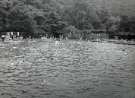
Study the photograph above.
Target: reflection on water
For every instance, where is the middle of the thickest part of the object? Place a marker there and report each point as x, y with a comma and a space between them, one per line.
66, 69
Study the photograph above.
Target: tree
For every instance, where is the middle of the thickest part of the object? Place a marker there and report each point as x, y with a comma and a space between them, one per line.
54, 24
16, 17
12, 17
82, 15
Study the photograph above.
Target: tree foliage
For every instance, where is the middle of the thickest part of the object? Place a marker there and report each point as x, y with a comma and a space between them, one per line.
49, 17
81, 15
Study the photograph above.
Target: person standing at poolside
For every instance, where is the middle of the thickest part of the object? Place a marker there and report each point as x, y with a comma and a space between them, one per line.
12, 35
3, 37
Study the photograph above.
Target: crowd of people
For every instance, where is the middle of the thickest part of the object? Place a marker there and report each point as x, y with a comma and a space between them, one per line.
10, 35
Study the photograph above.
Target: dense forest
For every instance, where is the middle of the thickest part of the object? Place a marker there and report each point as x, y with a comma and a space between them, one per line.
55, 18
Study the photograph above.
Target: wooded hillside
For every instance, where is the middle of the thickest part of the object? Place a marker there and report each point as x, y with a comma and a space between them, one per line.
55, 17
